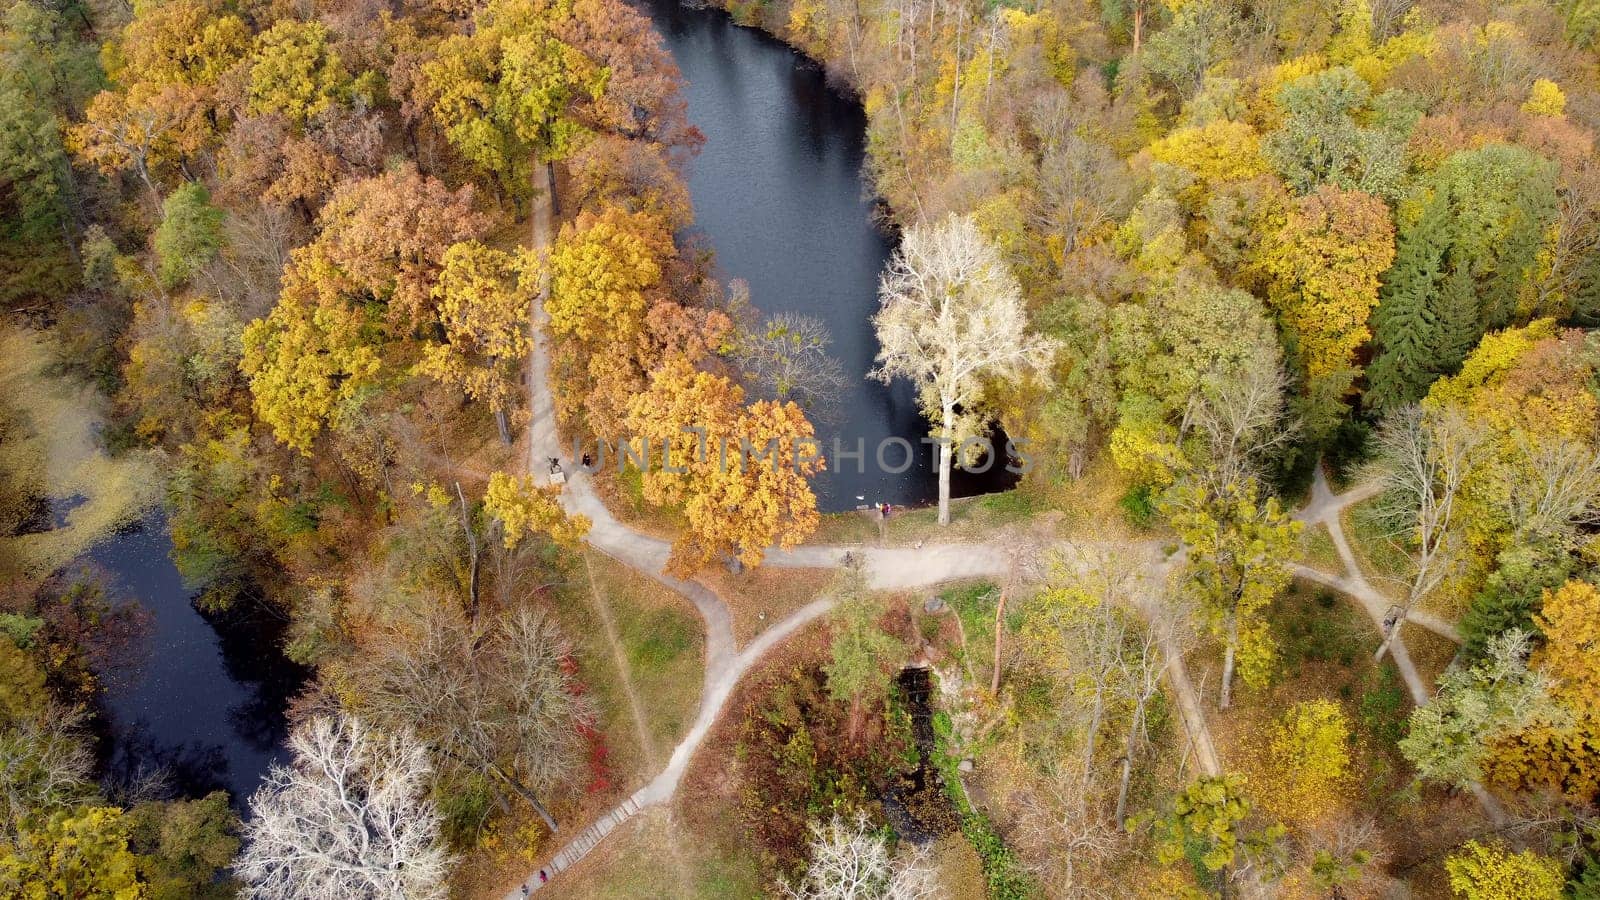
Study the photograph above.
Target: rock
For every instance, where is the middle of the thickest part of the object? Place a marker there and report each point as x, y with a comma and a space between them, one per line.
964, 767
933, 605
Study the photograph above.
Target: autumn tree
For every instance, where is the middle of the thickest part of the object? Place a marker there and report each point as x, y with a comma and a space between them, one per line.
483, 309
786, 358
864, 655
306, 362
738, 472
523, 509
1491, 872
37, 66
1562, 755
952, 317
1309, 757
384, 239
1324, 266
1238, 546
603, 269
294, 73
505, 91
348, 816
605, 275
1211, 815
1103, 666
166, 67
1423, 460
81, 852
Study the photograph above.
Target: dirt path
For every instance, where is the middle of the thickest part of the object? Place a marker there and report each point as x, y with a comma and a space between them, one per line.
619, 658
887, 568
1327, 509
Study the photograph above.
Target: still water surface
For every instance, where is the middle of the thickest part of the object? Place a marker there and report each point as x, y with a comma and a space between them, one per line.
778, 193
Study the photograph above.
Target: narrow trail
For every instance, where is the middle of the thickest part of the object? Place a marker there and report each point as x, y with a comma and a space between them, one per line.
619, 657
1327, 509
887, 568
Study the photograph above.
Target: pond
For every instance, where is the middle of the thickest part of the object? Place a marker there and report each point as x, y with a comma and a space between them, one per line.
779, 195
205, 699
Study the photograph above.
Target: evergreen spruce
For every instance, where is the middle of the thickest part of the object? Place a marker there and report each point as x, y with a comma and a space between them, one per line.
1405, 324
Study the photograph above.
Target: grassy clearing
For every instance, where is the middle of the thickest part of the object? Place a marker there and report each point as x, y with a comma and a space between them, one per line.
55, 443
761, 596
1317, 550
663, 642
1383, 561
1086, 509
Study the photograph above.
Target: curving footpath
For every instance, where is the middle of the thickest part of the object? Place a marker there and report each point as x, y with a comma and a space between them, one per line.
886, 568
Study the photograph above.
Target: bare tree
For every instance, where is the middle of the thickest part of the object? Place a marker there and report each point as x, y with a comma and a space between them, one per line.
1563, 488
496, 701
951, 316
850, 861
1083, 190
786, 358
1241, 418
349, 817
1423, 459
45, 763
1085, 630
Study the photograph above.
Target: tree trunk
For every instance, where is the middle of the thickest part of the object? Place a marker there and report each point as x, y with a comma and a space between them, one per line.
533, 801
550, 185
1227, 674
1122, 790
946, 454
999, 632
474, 556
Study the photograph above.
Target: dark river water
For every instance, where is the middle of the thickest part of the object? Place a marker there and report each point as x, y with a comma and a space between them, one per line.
779, 195
206, 702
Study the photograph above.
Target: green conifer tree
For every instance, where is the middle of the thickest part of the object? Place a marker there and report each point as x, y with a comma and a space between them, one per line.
1405, 324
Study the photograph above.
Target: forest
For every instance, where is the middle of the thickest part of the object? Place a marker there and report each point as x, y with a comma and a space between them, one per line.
1289, 303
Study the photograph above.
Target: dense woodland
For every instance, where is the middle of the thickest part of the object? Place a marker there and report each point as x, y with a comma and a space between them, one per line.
1190, 250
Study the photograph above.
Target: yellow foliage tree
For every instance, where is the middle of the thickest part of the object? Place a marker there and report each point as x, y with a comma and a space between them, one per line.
524, 509
80, 852
1491, 872
481, 298
739, 473
603, 269
305, 360
1565, 756
1324, 265
1218, 151
1545, 99
1309, 756
295, 72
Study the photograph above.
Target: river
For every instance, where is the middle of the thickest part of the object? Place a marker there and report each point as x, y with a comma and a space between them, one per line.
778, 194
206, 702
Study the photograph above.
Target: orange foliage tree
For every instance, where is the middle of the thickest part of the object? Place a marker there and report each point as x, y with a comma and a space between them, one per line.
738, 472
